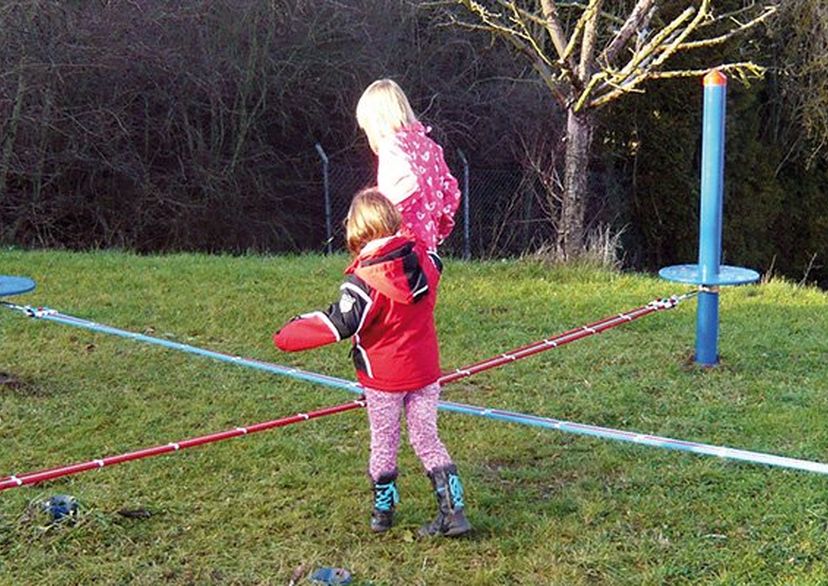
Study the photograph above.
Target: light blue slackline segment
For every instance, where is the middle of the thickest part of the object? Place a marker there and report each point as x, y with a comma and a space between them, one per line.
488, 413
10, 285
288, 371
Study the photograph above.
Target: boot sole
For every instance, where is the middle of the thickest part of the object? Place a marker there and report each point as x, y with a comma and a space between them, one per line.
458, 531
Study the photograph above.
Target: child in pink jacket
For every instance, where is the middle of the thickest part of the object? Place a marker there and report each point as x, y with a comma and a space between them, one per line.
411, 171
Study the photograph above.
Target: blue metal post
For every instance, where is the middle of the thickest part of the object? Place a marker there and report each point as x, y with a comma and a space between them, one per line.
709, 272
710, 217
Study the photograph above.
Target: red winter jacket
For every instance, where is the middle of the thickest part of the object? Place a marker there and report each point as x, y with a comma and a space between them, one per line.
387, 306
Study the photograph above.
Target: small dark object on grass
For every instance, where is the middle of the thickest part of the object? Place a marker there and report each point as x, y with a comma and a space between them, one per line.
9, 380
61, 507
135, 513
331, 576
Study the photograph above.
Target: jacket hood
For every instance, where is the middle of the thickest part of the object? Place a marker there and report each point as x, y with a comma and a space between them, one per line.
392, 266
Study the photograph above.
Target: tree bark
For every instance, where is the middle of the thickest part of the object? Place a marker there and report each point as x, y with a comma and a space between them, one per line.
579, 132
11, 132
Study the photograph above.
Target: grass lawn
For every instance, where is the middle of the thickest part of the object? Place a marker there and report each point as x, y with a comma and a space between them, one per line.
548, 508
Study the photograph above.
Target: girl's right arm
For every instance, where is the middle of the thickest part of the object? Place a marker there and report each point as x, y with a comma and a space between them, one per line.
341, 320
396, 179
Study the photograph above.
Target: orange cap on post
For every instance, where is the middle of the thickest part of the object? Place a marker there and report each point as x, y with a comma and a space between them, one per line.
715, 77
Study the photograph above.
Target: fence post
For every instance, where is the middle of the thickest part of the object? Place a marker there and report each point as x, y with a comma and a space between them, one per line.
326, 189
466, 232
527, 217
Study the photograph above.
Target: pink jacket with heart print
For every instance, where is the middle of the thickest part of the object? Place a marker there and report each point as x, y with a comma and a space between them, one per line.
413, 174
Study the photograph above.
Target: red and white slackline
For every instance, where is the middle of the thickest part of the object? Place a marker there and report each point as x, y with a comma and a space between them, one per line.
16, 480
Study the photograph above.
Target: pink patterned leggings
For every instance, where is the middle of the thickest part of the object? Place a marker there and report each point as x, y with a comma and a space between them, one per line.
384, 411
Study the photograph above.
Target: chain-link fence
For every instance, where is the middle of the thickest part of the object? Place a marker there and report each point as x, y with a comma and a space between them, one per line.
502, 213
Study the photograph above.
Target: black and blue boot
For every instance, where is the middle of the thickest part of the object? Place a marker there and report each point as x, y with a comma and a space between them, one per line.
385, 499
451, 520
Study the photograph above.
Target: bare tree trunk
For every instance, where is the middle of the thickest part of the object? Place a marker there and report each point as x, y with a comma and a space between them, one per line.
579, 131
31, 212
11, 132
592, 52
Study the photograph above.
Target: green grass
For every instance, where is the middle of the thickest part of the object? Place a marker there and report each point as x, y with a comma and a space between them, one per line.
548, 508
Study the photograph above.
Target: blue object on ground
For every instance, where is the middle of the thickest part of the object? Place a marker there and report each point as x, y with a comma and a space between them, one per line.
61, 506
15, 285
331, 576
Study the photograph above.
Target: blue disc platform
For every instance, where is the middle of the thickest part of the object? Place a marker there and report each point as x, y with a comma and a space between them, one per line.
727, 275
15, 285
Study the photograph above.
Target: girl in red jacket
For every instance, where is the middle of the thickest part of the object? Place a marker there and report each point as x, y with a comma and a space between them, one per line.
411, 170
386, 307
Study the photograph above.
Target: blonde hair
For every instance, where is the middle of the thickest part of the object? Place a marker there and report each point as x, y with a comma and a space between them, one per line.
370, 216
382, 110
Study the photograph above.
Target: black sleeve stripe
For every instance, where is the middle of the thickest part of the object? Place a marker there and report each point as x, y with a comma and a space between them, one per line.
417, 281
348, 314
438, 262
420, 292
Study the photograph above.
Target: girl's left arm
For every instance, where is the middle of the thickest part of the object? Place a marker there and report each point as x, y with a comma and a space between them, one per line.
450, 202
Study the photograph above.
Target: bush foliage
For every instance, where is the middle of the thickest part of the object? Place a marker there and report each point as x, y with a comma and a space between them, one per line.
191, 125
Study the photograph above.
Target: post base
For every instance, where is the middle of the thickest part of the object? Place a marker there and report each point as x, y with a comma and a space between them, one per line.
15, 285
726, 275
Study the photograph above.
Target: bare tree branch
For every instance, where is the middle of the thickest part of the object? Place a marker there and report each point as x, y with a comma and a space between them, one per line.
766, 14
633, 73
640, 13
522, 41
552, 24
744, 70
589, 40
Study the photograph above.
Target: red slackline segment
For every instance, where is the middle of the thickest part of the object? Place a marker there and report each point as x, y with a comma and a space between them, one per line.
556, 341
52, 473
14, 481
